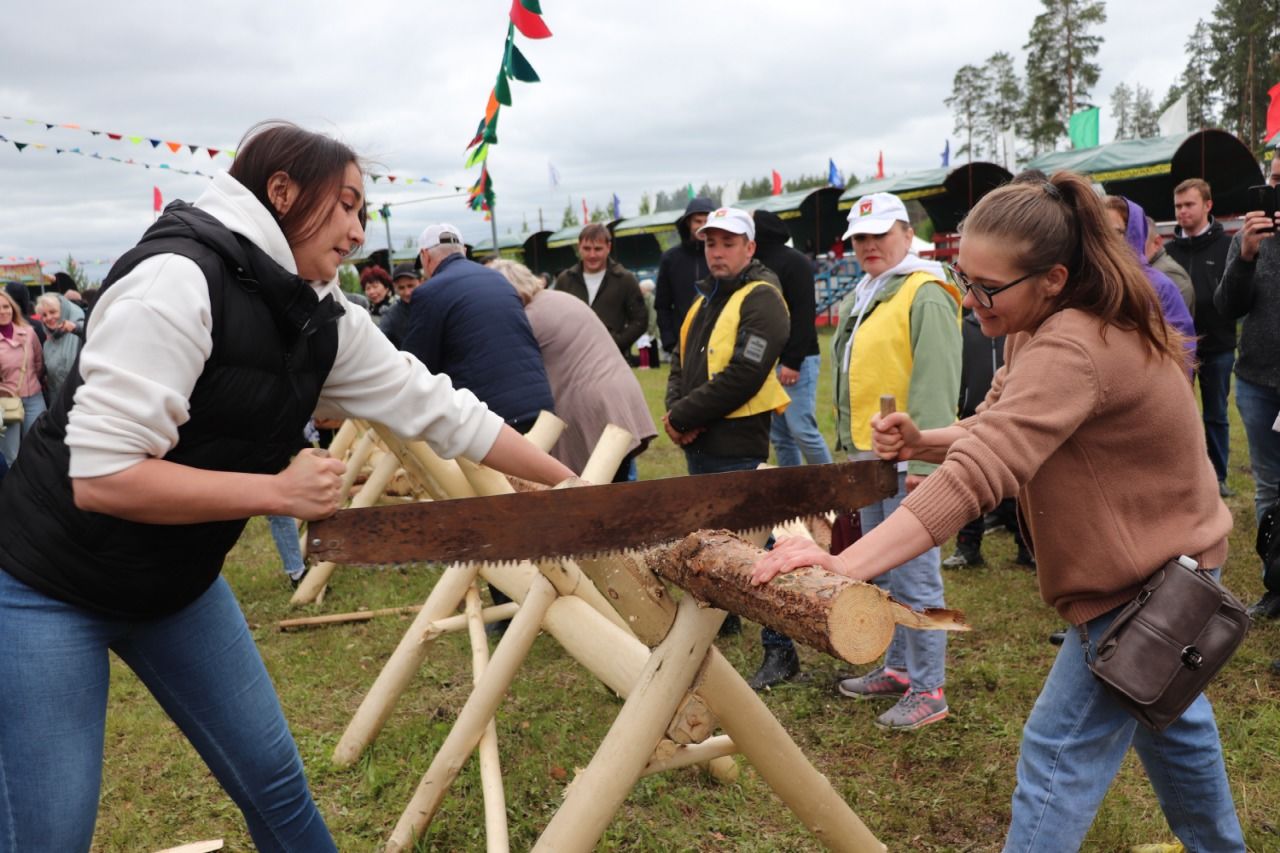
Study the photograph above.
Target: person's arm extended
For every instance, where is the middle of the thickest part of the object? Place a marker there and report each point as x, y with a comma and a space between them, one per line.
156, 491
899, 538
514, 454
1234, 295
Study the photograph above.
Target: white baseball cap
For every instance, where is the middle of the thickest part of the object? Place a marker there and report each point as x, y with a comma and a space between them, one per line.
875, 214
730, 219
434, 235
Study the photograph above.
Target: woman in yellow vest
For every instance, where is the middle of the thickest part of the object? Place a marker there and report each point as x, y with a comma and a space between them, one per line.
899, 334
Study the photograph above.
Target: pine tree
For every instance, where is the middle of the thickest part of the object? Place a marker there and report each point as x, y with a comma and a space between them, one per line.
570, 217
78, 275
1197, 79
1122, 110
1245, 40
1004, 103
646, 204
1145, 121
968, 102
1060, 67
804, 182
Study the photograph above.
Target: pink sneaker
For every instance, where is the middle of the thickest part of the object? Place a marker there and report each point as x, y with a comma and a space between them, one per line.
877, 684
914, 711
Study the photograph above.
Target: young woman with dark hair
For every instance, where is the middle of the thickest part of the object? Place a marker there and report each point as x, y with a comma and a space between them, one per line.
214, 341
1092, 424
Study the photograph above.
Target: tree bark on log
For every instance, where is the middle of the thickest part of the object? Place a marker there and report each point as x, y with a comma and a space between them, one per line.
847, 619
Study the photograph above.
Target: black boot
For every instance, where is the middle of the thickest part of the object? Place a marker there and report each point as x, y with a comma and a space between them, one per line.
731, 626
780, 664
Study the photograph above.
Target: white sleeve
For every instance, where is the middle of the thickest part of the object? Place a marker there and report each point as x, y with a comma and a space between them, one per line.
373, 380
148, 339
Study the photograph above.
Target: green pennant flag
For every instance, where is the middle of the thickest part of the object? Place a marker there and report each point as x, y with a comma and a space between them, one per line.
20, 145
1083, 128
135, 139
517, 66
689, 189
532, 5
502, 90
478, 155
491, 130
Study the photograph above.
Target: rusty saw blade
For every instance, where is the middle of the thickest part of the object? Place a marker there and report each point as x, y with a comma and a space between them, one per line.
579, 522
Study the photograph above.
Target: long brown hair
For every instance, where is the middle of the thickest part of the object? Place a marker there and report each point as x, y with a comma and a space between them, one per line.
1061, 221
314, 161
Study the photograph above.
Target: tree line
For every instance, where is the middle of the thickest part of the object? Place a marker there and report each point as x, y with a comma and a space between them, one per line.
1232, 60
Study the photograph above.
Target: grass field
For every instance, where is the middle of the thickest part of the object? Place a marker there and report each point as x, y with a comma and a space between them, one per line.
944, 788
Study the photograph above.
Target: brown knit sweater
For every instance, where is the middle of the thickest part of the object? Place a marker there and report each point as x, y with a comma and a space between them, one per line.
1103, 445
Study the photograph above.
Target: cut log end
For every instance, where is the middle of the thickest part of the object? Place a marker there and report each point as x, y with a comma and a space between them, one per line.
860, 625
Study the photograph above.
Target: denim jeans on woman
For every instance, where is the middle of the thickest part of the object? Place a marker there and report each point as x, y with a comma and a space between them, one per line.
1072, 746
1259, 407
203, 668
32, 408
795, 432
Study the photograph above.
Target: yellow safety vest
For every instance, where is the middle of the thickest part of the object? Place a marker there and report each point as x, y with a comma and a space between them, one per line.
771, 396
882, 360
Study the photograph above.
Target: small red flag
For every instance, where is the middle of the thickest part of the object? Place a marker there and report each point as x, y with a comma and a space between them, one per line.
880, 166
586, 217
156, 201
529, 24
1273, 113
777, 183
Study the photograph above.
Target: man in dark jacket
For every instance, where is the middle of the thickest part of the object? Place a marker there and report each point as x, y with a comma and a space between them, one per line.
608, 287
395, 320
467, 322
1250, 289
1200, 245
679, 270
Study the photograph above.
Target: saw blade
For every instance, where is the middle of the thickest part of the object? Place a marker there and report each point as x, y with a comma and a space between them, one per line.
594, 519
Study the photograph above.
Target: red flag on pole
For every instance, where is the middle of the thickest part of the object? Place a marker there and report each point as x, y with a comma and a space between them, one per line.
777, 183
586, 217
880, 165
1273, 113
157, 202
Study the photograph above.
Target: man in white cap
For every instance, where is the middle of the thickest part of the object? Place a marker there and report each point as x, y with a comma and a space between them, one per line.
722, 391
899, 334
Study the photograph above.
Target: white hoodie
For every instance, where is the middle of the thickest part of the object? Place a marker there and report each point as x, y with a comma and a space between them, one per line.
151, 333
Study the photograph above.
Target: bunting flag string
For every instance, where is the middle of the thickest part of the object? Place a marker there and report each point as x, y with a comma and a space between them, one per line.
404, 178
95, 155
526, 17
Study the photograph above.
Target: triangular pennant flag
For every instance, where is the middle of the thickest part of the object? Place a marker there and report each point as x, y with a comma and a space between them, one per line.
501, 90
135, 139
491, 130
162, 165
491, 108
375, 178
479, 137
230, 152
19, 145
193, 148
517, 66
48, 126
391, 178
76, 150
408, 180
174, 146
478, 155
114, 136
59, 150
96, 132
530, 24
155, 143
213, 152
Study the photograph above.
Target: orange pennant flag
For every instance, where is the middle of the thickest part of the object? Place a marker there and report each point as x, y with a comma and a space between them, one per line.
174, 146
491, 108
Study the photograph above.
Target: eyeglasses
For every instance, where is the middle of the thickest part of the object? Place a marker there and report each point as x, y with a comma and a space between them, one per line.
985, 296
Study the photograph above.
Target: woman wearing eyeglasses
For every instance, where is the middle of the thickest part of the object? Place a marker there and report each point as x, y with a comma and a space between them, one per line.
899, 334
215, 340
1092, 424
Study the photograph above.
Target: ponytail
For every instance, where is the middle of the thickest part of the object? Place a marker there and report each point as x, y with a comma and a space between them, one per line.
1061, 220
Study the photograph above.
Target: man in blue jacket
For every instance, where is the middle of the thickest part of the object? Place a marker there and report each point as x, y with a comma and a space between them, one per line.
467, 322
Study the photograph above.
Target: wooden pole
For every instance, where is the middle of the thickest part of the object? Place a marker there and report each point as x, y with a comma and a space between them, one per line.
497, 838
441, 626
360, 454
595, 795
611, 448
315, 580
671, 755
475, 715
402, 665
546, 431
343, 439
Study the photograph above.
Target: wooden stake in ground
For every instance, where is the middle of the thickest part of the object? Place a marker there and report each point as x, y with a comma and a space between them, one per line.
848, 619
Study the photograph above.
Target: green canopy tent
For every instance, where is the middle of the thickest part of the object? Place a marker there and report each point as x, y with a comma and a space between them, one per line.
510, 246
1147, 170
639, 241
811, 215
536, 253
945, 194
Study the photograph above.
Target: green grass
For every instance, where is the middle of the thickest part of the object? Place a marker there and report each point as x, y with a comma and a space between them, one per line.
945, 788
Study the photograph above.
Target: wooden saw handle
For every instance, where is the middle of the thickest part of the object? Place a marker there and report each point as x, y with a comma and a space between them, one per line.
888, 405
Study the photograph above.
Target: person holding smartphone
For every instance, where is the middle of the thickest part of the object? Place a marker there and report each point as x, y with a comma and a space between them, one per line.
1250, 288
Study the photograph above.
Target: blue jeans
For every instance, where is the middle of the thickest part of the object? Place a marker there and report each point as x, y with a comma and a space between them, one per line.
203, 668
795, 431
917, 583
1215, 386
32, 408
284, 530
1072, 746
705, 463
1258, 407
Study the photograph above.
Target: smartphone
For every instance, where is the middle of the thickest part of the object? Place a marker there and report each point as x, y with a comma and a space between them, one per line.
1264, 197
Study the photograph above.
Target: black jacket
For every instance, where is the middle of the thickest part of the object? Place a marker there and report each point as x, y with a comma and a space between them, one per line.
795, 274
1252, 290
679, 270
274, 343
619, 303
694, 401
1205, 259
982, 357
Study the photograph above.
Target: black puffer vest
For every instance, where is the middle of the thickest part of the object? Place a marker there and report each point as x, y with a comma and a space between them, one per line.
274, 343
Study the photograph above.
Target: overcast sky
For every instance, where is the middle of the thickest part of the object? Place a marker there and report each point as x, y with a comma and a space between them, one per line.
633, 97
